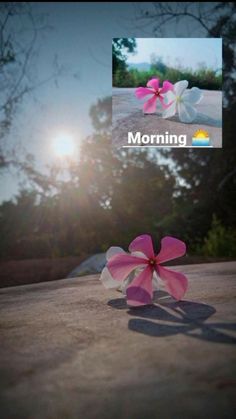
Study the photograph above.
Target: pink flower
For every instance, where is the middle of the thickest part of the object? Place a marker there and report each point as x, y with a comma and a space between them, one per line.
156, 91
143, 262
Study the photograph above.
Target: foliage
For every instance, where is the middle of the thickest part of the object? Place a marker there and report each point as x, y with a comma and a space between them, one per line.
209, 178
220, 241
20, 26
106, 196
213, 19
120, 46
111, 196
15, 59
204, 78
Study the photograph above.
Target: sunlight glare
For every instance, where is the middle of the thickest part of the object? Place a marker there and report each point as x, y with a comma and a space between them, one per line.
64, 145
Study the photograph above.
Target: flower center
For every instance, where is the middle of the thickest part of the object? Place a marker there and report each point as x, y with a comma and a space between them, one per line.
157, 92
152, 262
179, 99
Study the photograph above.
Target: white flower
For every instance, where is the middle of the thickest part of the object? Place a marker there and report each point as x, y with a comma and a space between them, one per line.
182, 101
106, 277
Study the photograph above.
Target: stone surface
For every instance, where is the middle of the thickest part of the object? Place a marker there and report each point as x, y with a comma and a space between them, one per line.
72, 349
127, 115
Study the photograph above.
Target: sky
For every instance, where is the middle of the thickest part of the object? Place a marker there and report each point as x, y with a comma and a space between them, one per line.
81, 37
188, 52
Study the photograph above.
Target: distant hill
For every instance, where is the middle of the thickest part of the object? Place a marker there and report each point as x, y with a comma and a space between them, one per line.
140, 66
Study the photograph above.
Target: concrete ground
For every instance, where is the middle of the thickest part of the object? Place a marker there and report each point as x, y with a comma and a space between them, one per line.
72, 349
127, 115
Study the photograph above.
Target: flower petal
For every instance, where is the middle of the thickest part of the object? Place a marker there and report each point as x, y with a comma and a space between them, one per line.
139, 254
170, 110
176, 283
107, 279
143, 244
154, 83
126, 282
169, 97
163, 104
121, 265
193, 96
187, 113
171, 248
141, 92
139, 292
180, 87
150, 105
113, 250
155, 284
166, 87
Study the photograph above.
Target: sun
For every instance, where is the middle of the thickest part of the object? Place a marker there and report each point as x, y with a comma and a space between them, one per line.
201, 134
64, 145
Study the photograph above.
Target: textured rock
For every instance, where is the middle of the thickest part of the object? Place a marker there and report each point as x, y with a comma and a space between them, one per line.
72, 349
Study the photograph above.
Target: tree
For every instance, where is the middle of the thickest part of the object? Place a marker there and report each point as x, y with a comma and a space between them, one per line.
214, 19
209, 176
109, 196
20, 26
120, 47
157, 64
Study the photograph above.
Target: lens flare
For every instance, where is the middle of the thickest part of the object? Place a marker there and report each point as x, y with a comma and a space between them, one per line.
64, 145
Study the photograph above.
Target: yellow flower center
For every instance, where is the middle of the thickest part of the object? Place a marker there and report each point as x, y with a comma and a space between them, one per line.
179, 99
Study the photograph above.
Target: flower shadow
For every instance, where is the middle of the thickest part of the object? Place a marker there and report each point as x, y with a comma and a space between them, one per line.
120, 303
171, 318
202, 119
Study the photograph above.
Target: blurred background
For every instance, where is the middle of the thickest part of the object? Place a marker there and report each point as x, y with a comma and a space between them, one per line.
65, 194
198, 60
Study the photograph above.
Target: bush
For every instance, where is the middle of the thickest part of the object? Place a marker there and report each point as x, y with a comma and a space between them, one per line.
204, 78
220, 241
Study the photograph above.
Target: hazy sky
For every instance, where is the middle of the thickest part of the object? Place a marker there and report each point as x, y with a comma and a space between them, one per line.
81, 37
188, 52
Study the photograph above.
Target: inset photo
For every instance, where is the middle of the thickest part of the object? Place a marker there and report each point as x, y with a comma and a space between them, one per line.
167, 92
